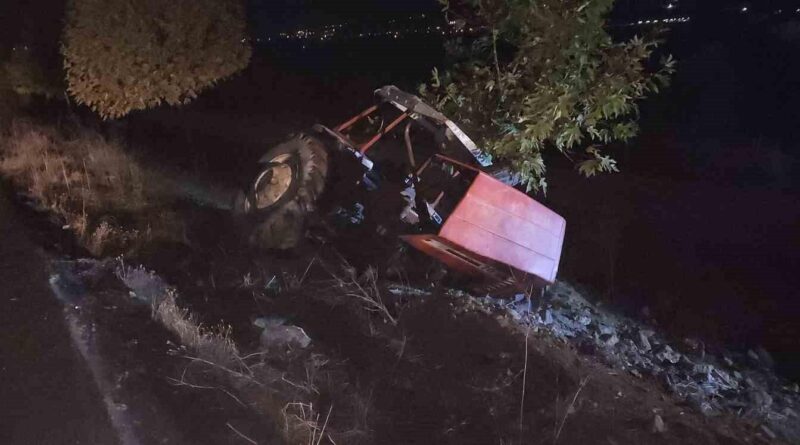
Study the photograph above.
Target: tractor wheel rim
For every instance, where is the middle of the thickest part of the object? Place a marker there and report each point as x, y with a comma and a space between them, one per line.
273, 182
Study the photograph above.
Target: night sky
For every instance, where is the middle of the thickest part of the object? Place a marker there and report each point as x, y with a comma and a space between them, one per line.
41, 19
283, 15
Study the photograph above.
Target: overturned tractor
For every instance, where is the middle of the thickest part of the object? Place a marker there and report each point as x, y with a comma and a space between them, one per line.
438, 193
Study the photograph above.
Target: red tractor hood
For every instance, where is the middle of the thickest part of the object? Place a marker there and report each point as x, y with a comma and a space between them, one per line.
503, 224
497, 224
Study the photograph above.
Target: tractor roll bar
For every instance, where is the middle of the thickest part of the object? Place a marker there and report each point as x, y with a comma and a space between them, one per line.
357, 118
363, 149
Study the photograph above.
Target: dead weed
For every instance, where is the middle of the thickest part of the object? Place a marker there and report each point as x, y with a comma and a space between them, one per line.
363, 289
88, 181
285, 388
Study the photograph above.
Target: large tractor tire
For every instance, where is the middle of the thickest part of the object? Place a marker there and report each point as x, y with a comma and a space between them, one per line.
275, 204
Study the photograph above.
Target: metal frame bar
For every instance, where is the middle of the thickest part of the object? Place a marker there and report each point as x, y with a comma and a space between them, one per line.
353, 120
459, 163
363, 149
409, 146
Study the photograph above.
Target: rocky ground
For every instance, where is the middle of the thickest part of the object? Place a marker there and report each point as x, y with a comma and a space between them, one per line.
713, 381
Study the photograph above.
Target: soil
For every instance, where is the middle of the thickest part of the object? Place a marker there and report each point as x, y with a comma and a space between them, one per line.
450, 371
95, 369
457, 379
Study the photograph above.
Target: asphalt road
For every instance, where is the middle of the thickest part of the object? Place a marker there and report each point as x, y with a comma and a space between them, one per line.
47, 392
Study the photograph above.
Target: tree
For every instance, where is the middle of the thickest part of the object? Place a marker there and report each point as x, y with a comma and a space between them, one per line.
125, 55
27, 74
548, 76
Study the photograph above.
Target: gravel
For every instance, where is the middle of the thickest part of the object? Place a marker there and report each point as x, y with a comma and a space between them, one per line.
738, 383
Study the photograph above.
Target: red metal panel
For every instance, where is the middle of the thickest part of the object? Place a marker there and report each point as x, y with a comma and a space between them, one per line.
501, 223
511, 200
451, 255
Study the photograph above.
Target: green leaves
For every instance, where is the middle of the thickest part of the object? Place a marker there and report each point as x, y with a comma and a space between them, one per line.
624, 131
569, 136
565, 85
435, 82
600, 164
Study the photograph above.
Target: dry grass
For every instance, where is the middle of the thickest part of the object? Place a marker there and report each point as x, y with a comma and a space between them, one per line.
240, 434
364, 290
246, 379
570, 409
301, 419
282, 388
213, 346
85, 179
84, 169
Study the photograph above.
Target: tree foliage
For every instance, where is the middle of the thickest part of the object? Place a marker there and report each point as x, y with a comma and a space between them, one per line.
548, 76
26, 74
124, 55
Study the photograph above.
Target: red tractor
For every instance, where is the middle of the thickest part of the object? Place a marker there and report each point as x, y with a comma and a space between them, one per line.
422, 179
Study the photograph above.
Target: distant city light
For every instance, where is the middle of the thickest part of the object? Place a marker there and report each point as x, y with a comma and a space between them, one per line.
394, 29
665, 21
419, 25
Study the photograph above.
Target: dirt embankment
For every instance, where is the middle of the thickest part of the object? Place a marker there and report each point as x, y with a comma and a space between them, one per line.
318, 359
392, 364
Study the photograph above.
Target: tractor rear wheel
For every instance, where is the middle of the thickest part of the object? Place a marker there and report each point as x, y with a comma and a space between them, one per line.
275, 204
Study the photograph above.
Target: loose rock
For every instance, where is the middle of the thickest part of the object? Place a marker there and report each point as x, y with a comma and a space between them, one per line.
761, 399
644, 341
765, 358
609, 340
668, 355
740, 384
658, 425
284, 336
